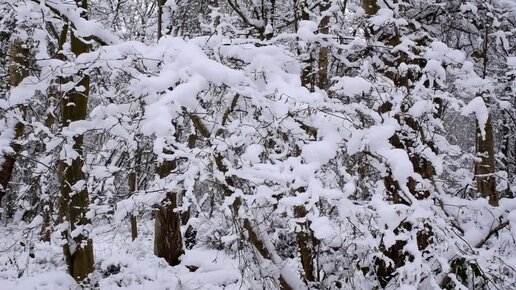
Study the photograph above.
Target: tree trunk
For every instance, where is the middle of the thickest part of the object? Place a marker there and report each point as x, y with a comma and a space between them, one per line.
132, 189
48, 205
324, 50
161, 3
505, 149
404, 139
305, 240
484, 145
370, 7
485, 169
306, 243
47, 219
216, 20
74, 200
18, 70
307, 72
168, 243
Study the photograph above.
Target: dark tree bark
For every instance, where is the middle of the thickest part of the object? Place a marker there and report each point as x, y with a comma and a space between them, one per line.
74, 199
18, 70
324, 50
506, 151
485, 169
161, 3
132, 189
168, 243
484, 146
306, 243
47, 204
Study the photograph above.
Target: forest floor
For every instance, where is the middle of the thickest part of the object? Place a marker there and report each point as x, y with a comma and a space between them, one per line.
28, 264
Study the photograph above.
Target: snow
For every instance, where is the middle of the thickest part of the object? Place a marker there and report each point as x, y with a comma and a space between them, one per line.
384, 16
399, 162
322, 228
351, 86
435, 69
511, 61
125, 265
307, 30
158, 121
319, 151
420, 108
43, 281
252, 153
283, 145
478, 107
83, 27
468, 7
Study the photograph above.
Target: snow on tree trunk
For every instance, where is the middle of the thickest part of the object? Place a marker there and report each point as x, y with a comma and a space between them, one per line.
407, 139
168, 243
18, 70
324, 49
485, 168
74, 199
131, 179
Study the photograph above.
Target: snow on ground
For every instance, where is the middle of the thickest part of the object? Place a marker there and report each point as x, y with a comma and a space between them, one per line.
120, 264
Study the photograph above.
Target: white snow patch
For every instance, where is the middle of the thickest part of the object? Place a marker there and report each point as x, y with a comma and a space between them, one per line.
478, 107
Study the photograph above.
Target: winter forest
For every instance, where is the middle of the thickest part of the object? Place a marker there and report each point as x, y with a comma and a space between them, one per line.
257, 144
